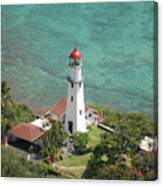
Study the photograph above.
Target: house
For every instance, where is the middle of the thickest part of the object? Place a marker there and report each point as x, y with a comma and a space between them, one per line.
148, 144
32, 131
26, 132
42, 123
59, 111
92, 116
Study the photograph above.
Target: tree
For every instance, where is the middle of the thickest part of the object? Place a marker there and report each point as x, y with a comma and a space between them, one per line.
108, 160
118, 155
15, 165
146, 163
7, 103
12, 113
52, 140
23, 113
6, 96
80, 142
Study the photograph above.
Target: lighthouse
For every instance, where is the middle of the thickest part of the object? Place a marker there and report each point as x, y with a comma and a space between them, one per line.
75, 109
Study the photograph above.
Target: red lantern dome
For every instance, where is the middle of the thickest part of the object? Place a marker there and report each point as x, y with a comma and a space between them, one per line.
75, 54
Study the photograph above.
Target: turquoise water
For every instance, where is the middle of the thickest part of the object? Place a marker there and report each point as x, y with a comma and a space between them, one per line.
115, 39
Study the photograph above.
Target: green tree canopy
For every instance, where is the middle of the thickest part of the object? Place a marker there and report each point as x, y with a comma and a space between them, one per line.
15, 165
12, 113
118, 155
52, 140
80, 142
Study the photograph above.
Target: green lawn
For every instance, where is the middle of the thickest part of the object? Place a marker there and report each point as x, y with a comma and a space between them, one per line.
18, 151
75, 165
79, 162
94, 136
76, 160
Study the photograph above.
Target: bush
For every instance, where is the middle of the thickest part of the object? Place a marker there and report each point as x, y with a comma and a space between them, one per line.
12, 113
89, 127
80, 142
118, 155
15, 165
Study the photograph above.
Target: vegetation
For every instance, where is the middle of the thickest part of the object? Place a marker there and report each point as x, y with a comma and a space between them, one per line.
52, 140
118, 156
76, 160
14, 165
12, 113
111, 155
94, 136
80, 142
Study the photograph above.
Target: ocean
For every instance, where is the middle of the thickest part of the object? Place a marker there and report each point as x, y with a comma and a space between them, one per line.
116, 42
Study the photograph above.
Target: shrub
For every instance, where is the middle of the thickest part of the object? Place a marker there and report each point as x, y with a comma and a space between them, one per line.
89, 127
80, 142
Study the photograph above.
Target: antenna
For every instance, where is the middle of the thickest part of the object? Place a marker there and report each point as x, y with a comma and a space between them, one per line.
76, 44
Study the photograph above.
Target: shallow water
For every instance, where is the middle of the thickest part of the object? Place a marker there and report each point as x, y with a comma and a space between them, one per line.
115, 39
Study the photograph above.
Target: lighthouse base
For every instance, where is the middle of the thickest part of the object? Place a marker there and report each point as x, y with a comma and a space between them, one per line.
70, 127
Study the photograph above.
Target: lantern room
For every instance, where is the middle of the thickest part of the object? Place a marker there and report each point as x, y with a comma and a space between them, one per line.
75, 57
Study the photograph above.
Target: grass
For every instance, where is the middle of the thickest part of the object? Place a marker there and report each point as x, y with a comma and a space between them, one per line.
81, 160
76, 164
94, 136
72, 174
18, 151
76, 160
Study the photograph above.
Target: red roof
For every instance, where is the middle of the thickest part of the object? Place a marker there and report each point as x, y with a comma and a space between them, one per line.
60, 107
75, 54
26, 132
86, 109
40, 111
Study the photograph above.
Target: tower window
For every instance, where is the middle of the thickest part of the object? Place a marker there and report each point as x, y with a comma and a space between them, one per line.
72, 85
80, 111
72, 98
80, 84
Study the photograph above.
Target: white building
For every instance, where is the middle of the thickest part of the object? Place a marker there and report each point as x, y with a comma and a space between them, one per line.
75, 109
148, 144
58, 111
71, 109
42, 123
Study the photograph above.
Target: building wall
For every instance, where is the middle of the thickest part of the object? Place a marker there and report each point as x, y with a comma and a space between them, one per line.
75, 111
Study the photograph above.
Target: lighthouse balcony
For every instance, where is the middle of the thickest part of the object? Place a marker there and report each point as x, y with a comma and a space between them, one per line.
74, 63
69, 79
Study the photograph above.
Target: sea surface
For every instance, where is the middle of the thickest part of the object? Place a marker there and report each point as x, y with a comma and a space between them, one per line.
115, 39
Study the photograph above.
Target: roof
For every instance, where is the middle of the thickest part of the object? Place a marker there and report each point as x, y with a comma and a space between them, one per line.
40, 111
60, 107
86, 109
75, 54
27, 132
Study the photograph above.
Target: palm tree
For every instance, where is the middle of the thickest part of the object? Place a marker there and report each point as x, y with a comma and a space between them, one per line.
6, 97
52, 140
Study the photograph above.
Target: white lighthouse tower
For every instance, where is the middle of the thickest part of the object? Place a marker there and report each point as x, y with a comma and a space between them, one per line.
75, 111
